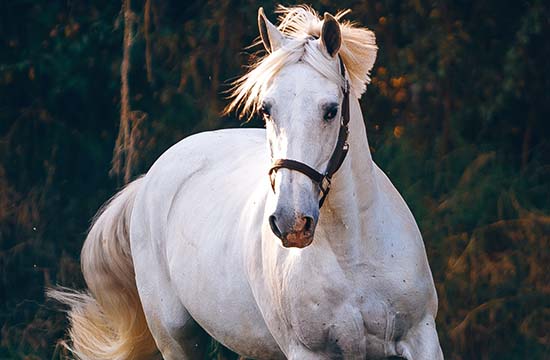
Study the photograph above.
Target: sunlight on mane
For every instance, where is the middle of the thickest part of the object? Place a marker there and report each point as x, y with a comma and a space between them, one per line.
299, 24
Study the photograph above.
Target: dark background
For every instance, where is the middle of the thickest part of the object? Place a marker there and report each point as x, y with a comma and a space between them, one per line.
457, 115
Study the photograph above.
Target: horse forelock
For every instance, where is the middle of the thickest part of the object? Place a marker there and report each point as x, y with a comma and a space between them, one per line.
301, 25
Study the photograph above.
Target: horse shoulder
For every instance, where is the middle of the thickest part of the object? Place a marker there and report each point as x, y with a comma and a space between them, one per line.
405, 260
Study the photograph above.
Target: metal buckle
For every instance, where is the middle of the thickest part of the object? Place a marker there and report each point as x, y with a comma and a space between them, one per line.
347, 86
325, 184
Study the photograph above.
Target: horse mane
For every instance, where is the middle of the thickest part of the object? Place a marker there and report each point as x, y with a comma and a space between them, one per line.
301, 25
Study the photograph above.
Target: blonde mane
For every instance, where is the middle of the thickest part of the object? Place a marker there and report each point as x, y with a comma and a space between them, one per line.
301, 25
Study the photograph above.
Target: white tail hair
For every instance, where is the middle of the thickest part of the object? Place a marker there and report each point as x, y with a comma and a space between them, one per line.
107, 321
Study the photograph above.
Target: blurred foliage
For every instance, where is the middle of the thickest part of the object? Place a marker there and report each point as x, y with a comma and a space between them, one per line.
457, 115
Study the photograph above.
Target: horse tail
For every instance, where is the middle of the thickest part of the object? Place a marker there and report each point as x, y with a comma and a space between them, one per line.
107, 320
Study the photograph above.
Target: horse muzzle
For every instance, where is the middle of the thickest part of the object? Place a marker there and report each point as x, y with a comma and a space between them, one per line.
294, 230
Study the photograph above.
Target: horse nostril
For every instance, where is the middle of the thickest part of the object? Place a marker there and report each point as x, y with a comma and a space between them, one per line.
309, 224
274, 227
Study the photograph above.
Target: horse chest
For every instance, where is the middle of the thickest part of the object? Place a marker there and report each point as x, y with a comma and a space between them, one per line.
327, 327
342, 319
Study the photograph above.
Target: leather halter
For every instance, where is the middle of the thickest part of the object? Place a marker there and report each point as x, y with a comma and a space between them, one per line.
323, 180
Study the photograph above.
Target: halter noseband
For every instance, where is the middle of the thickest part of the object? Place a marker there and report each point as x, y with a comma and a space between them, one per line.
336, 159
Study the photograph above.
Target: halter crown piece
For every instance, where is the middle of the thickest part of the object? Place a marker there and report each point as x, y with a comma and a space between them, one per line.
323, 180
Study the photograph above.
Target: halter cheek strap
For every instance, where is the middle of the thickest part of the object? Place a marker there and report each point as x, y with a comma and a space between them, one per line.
323, 180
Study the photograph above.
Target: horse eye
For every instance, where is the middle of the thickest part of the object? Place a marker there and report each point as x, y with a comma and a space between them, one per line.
265, 110
330, 113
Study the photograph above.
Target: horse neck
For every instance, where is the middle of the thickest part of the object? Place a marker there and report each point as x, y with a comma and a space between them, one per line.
353, 193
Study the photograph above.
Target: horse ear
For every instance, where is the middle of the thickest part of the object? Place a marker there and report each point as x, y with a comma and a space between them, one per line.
272, 38
331, 36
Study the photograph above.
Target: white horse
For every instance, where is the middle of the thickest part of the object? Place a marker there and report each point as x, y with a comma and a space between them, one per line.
204, 244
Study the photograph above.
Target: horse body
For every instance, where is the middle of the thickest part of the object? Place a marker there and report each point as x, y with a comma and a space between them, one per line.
356, 291
260, 263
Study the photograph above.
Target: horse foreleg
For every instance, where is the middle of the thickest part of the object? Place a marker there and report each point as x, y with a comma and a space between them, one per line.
421, 342
176, 333
300, 352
